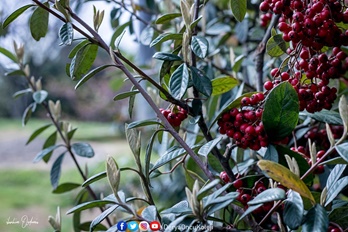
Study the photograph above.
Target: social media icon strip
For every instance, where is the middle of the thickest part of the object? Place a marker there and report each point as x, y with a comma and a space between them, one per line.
144, 226
122, 226
132, 226
155, 226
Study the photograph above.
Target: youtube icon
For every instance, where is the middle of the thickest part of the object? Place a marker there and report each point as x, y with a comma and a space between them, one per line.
155, 226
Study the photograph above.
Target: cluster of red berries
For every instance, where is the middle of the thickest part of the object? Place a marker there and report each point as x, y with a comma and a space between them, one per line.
174, 115
244, 125
265, 19
302, 151
319, 136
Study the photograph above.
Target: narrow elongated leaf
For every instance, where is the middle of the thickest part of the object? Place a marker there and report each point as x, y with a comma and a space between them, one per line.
74, 51
15, 73
102, 216
125, 95
65, 187
165, 37
271, 154
238, 8
166, 56
39, 23
175, 223
88, 205
249, 210
335, 189
149, 153
238, 63
56, 170
113, 174
179, 80
118, 35
285, 177
200, 46
335, 174
22, 92
94, 178
201, 82
342, 150
222, 202
206, 148
40, 96
15, 15
223, 84
167, 18
8, 54
82, 149
325, 116
83, 61
91, 74
316, 219
206, 188
276, 46
27, 113
281, 110
44, 152
293, 211
50, 141
142, 123
172, 154
66, 33
272, 194
134, 141
214, 195
37, 133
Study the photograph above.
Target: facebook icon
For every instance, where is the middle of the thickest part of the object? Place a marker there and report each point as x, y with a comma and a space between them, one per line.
122, 226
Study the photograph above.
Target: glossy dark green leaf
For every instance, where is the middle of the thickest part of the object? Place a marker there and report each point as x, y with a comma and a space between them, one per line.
249, 210
39, 23
335, 189
171, 154
56, 170
223, 84
340, 216
88, 205
142, 123
125, 95
342, 150
166, 56
293, 211
316, 219
118, 35
238, 63
222, 202
207, 187
83, 61
206, 148
239, 8
201, 82
37, 133
200, 46
71, 133
272, 194
65, 187
335, 174
165, 37
280, 115
82, 149
167, 18
50, 141
40, 96
91, 74
148, 154
66, 33
74, 51
102, 216
326, 116
276, 46
15, 15
8, 54
94, 178
44, 152
179, 81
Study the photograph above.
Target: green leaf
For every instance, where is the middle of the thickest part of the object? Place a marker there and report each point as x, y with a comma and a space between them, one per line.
118, 35
134, 141
66, 33
91, 74
125, 95
171, 154
342, 150
56, 170
249, 210
113, 174
149, 213
179, 80
65, 187
40, 96
166, 56
293, 211
207, 187
27, 113
272, 194
83, 150
44, 152
280, 114
102, 216
149, 153
335, 189
200, 46
167, 18
222, 202
142, 123
276, 46
201, 82
22, 92
83, 61
340, 216
37, 133
316, 219
50, 141
88, 205
39, 22
206, 148
175, 223
74, 51
285, 177
223, 84
335, 174
165, 37
238, 63
325, 116
238, 8
146, 35
211, 198
15, 15
271, 154
15, 73
8, 54
94, 178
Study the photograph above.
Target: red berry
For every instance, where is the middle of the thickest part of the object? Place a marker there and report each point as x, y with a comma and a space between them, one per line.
245, 198
238, 183
268, 85
224, 177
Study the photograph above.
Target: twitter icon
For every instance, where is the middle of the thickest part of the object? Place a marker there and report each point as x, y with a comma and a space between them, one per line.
133, 226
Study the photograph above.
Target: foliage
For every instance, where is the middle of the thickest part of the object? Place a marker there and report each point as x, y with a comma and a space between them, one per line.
249, 152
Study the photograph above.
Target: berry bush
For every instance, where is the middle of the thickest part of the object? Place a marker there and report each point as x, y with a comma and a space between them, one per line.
250, 113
